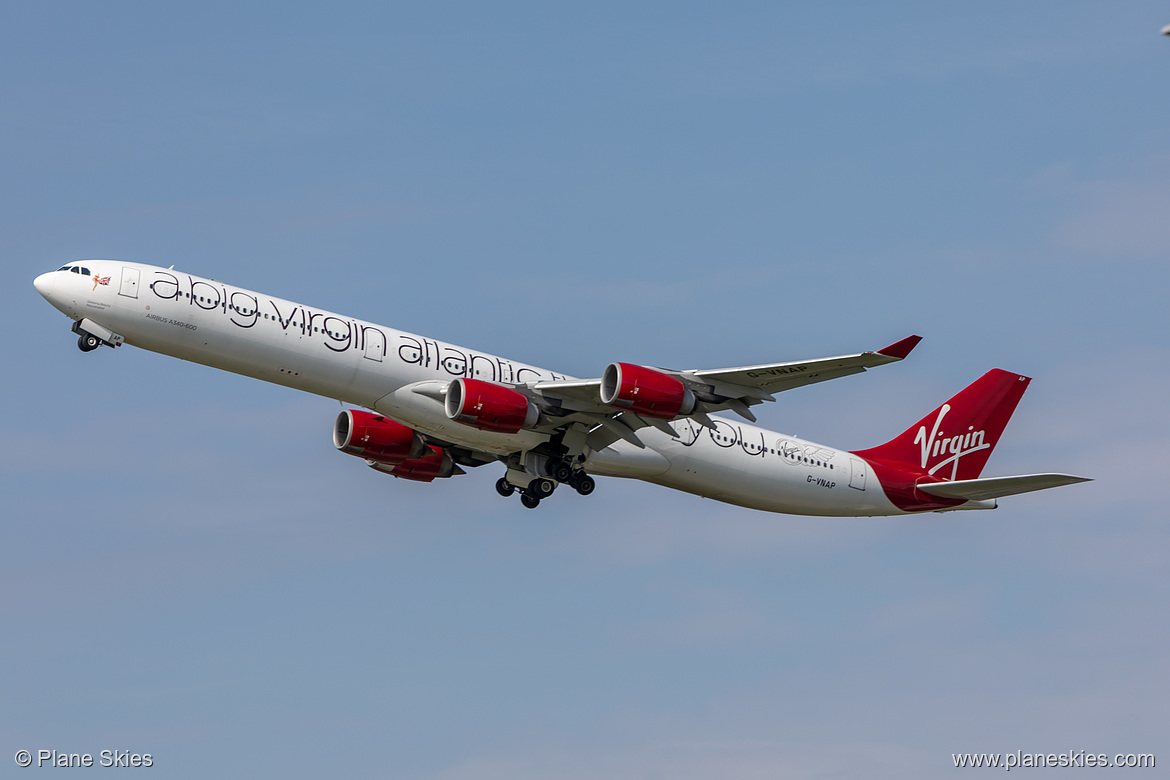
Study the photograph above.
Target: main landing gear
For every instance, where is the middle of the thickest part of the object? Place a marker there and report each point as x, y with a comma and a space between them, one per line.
563, 471
539, 488
542, 487
583, 483
504, 487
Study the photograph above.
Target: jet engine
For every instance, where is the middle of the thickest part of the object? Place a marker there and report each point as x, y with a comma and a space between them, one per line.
489, 406
645, 391
374, 437
436, 463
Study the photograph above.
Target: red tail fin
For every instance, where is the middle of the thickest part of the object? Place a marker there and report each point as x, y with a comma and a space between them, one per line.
955, 440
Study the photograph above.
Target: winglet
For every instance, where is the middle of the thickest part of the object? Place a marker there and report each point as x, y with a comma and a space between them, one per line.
900, 349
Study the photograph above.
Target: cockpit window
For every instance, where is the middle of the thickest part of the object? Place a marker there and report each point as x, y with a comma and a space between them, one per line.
75, 269
65, 268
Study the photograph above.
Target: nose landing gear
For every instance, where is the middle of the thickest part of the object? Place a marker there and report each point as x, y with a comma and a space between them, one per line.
90, 335
87, 342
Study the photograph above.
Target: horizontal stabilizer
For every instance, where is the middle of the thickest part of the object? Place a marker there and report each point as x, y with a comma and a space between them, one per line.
998, 487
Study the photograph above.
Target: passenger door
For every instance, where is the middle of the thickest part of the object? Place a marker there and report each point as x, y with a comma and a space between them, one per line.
129, 286
857, 477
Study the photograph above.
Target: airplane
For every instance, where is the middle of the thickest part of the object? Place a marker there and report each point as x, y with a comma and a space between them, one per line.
425, 410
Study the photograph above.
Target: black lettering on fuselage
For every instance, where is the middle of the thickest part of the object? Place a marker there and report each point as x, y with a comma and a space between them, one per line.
310, 327
283, 319
410, 352
724, 434
688, 431
245, 309
488, 362
340, 334
752, 449
161, 287
203, 299
342, 338
454, 362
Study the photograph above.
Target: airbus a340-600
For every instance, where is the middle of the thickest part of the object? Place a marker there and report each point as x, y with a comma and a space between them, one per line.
425, 409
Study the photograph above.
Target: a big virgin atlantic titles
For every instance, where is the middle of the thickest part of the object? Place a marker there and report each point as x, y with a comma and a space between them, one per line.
424, 410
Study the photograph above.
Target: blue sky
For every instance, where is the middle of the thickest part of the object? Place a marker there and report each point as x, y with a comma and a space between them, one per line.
188, 568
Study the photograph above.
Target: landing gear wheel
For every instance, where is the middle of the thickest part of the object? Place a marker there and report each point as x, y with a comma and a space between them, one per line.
529, 500
504, 487
87, 342
541, 488
584, 484
560, 471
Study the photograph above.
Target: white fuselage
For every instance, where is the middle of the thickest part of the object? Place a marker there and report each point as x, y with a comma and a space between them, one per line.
381, 368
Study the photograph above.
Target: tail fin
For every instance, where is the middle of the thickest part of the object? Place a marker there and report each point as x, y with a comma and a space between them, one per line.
955, 440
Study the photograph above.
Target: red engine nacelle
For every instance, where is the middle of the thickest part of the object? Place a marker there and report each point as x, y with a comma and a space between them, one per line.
425, 469
374, 437
489, 406
645, 391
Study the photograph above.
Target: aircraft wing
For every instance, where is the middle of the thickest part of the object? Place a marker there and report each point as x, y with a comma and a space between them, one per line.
735, 389
746, 384
769, 378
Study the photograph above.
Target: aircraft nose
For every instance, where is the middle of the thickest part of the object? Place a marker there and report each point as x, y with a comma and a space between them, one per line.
44, 283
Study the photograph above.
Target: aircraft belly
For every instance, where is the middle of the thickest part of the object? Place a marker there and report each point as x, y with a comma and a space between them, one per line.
764, 480
622, 459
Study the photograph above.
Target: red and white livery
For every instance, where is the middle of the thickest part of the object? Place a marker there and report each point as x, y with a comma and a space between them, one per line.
427, 410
